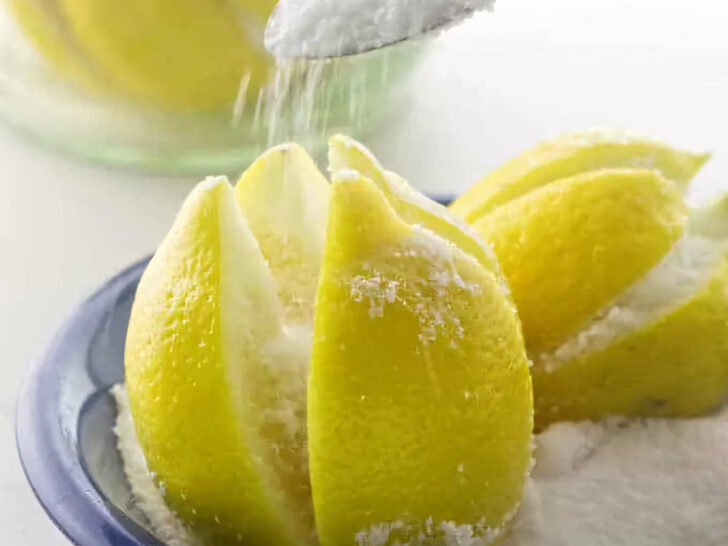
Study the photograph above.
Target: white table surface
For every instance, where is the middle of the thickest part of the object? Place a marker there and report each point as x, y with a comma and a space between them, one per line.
491, 88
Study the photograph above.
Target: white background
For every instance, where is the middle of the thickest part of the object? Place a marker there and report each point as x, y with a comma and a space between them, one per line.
490, 88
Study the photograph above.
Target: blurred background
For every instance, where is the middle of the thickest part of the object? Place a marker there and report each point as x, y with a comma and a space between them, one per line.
100, 142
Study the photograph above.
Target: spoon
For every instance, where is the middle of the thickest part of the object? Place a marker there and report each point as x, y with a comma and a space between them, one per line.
319, 29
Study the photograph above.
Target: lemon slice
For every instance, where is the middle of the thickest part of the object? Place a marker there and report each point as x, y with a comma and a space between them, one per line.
569, 155
419, 409
285, 200
215, 380
659, 349
572, 246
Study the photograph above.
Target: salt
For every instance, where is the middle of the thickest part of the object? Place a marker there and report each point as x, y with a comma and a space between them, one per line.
643, 482
332, 28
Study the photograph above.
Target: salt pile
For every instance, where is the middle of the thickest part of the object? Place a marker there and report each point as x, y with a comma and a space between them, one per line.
332, 28
643, 482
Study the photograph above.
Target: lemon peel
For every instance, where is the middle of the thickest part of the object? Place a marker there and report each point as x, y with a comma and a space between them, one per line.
419, 405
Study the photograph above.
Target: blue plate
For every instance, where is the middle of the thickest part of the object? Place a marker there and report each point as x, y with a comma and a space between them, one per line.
64, 423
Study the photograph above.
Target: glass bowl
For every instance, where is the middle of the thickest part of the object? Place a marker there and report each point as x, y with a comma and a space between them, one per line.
179, 86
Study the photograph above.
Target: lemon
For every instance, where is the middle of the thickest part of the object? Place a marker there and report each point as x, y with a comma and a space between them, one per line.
570, 247
660, 349
571, 154
419, 402
181, 54
285, 199
216, 380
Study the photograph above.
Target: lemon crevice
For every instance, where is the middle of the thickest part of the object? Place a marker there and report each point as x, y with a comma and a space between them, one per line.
680, 275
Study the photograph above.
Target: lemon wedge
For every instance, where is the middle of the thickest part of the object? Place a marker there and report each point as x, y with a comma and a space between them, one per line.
419, 403
345, 153
619, 286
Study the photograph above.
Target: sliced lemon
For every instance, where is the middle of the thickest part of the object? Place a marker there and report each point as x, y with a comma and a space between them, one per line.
285, 199
569, 155
215, 380
570, 247
419, 409
659, 349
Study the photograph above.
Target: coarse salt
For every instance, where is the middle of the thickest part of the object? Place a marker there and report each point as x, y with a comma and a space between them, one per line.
332, 28
642, 482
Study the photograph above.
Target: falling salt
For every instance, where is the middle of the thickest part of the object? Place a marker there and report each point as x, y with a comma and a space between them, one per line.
331, 28
304, 100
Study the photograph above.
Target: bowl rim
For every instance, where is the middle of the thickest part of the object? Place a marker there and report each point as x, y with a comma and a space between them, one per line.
49, 457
